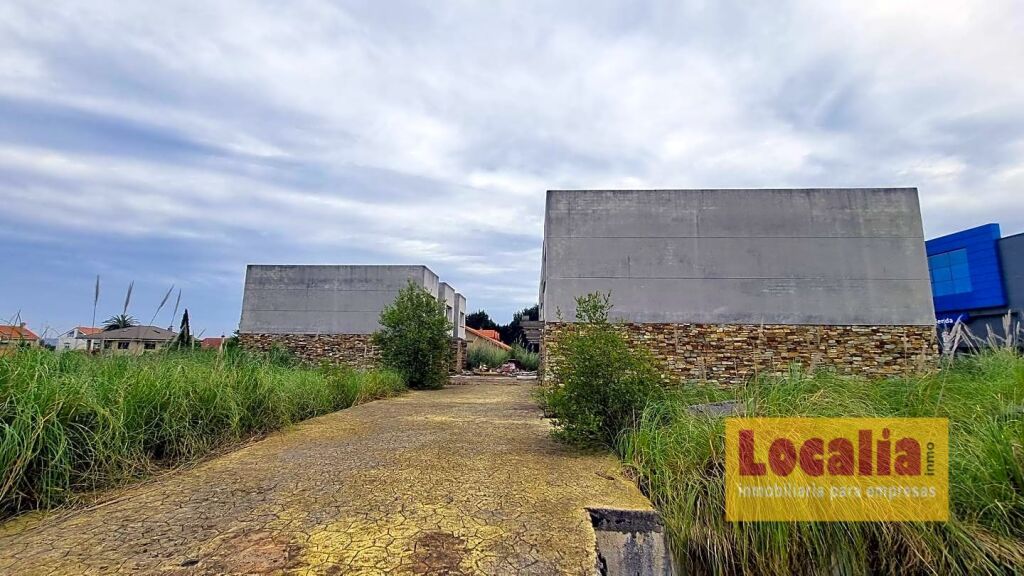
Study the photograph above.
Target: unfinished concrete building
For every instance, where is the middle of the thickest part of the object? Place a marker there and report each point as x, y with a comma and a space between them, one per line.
723, 284
455, 311
330, 312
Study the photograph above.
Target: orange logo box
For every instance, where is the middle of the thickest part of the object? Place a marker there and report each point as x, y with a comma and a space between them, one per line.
836, 469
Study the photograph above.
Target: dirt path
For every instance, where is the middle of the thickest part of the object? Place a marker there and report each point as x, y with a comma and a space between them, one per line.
461, 481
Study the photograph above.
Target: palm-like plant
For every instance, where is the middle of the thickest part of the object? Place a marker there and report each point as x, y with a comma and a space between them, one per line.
120, 321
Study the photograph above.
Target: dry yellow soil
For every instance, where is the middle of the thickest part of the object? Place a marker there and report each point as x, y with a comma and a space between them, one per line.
465, 480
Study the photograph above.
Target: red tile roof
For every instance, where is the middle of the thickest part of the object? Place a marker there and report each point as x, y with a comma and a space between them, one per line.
481, 334
492, 334
211, 342
17, 333
86, 331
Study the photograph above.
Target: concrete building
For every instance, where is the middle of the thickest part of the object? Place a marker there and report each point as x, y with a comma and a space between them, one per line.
131, 340
75, 339
459, 329
977, 278
455, 312
327, 312
723, 284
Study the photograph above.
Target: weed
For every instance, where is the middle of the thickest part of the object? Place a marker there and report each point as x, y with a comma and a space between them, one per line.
72, 423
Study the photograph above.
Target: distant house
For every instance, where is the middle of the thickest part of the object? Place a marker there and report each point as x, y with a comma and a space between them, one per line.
212, 343
492, 334
13, 337
135, 339
74, 339
485, 338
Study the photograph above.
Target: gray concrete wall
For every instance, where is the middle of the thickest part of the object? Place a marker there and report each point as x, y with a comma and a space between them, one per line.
1011, 261
818, 256
460, 316
285, 299
446, 294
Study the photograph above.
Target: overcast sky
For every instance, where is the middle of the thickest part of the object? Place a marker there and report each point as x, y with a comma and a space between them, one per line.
174, 142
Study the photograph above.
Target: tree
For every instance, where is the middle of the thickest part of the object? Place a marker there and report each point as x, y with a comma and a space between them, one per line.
415, 338
120, 321
184, 337
479, 320
602, 384
512, 333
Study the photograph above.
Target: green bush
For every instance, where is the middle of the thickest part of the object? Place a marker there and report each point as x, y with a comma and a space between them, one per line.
527, 360
478, 354
72, 423
415, 338
679, 458
601, 386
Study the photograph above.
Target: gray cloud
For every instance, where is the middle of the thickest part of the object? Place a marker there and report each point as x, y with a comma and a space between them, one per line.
210, 135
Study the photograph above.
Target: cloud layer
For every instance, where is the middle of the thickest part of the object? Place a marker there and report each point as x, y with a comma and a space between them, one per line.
175, 142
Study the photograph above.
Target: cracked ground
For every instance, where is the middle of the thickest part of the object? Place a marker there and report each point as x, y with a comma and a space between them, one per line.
465, 480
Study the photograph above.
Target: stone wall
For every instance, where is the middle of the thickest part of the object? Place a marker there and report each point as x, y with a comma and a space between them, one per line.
458, 355
733, 353
356, 350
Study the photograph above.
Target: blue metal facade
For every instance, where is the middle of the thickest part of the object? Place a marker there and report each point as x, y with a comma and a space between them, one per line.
965, 270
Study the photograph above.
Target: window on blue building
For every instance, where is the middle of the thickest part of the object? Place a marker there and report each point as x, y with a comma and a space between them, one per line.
950, 273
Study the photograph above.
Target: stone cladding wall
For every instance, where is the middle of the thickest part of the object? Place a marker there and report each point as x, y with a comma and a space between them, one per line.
458, 355
731, 354
356, 350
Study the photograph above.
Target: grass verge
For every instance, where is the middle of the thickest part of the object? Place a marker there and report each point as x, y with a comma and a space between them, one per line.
678, 458
71, 423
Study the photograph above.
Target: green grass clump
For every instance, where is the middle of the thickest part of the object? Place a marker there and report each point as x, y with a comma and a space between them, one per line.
72, 423
485, 355
527, 360
679, 459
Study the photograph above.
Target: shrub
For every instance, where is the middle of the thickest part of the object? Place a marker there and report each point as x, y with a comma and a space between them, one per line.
527, 360
479, 354
601, 386
73, 423
415, 338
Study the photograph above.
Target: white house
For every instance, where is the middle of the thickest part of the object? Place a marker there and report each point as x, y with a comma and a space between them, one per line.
75, 339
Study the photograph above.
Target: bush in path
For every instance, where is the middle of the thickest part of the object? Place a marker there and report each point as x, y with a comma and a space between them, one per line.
601, 385
415, 338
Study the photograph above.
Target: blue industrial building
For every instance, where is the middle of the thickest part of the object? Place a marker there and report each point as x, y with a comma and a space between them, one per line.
977, 277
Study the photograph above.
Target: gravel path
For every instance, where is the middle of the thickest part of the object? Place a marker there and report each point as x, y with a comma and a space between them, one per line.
466, 480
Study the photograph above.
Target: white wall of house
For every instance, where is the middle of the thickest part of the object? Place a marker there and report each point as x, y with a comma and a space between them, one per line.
69, 341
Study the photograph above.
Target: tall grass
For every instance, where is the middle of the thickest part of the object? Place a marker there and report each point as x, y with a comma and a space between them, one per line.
527, 360
71, 423
478, 355
679, 460
481, 354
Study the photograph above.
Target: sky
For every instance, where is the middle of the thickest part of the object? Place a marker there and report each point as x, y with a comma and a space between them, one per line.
172, 143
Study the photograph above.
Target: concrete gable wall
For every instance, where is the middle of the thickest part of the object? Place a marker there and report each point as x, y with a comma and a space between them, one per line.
289, 299
820, 256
